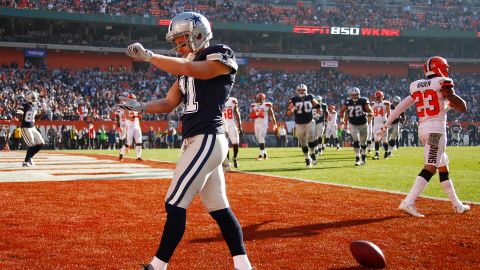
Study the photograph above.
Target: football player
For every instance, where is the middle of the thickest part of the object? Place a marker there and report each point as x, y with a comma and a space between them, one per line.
301, 107
394, 130
433, 97
206, 74
28, 111
119, 116
456, 129
233, 123
261, 111
320, 115
331, 135
356, 121
133, 130
381, 110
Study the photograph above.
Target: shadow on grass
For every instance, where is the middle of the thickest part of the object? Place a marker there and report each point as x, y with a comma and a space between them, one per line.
254, 231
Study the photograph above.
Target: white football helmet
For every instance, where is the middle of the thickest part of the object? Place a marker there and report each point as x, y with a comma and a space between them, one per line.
31, 97
319, 99
193, 25
397, 99
301, 90
354, 93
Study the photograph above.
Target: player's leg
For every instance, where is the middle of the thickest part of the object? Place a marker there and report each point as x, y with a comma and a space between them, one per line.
235, 140
203, 154
431, 162
301, 131
260, 141
128, 143
38, 144
363, 131
28, 138
213, 196
446, 182
311, 140
355, 133
370, 138
137, 134
385, 144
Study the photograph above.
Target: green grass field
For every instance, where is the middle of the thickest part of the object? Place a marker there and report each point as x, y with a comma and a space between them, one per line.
395, 174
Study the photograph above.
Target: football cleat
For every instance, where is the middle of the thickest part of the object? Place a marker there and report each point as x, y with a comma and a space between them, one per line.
376, 157
409, 209
265, 156
308, 163
120, 157
357, 161
31, 162
260, 157
139, 159
26, 164
385, 156
461, 208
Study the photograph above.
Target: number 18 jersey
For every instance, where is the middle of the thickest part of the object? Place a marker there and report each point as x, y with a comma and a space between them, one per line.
431, 105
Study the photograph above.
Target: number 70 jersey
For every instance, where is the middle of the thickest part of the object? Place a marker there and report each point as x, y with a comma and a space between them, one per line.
431, 106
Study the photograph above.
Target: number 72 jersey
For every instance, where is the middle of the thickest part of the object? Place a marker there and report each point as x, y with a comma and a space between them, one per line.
431, 106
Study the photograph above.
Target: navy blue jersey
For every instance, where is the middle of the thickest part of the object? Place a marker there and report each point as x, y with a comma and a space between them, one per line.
303, 111
456, 128
204, 100
29, 112
356, 111
401, 117
321, 114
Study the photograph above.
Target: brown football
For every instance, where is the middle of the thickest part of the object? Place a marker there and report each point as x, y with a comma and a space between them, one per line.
367, 254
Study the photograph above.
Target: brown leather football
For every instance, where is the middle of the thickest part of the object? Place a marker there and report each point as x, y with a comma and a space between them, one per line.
367, 254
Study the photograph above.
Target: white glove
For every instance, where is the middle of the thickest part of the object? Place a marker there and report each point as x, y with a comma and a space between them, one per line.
137, 51
131, 105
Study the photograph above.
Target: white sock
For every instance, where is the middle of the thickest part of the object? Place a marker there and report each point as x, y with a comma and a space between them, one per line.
241, 262
450, 191
158, 264
138, 149
417, 189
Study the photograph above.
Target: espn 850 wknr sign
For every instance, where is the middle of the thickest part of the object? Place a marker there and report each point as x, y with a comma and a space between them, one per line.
346, 31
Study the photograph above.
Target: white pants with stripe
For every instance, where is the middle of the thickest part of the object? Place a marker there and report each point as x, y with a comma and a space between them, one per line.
32, 136
200, 171
434, 149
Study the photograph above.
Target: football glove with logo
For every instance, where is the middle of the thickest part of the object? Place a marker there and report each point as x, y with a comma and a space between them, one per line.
137, 51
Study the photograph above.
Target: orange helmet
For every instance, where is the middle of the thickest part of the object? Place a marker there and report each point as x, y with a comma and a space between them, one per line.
132, 96
378, 95
260, 98
436, 67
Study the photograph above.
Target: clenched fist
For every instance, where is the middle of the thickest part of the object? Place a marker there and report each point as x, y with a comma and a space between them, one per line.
137, 51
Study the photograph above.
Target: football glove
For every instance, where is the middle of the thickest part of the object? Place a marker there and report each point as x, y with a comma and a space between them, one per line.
132, 105
137, 51
241, 132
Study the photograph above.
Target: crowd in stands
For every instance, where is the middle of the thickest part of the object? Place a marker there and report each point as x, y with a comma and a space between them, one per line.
443, 14
73, 94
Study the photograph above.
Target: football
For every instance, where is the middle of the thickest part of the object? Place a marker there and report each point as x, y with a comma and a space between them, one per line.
367, 254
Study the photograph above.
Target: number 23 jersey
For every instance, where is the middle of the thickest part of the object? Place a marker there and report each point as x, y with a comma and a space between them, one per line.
204, 100
431, 106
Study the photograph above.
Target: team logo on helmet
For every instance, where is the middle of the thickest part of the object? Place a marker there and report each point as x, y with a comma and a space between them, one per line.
378, 96
436, 66
301, 90
194, 26
354, 93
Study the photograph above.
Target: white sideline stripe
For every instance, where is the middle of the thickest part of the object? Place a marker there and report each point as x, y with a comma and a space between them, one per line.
75, 167
354, 187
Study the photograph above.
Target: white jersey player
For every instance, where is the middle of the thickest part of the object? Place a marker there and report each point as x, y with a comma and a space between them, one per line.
433, 97
233, 125
381, 110
331, 130
261, 111
133, 131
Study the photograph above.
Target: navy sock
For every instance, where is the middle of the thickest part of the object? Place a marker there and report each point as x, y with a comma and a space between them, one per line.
172, 232
231, 230
29, 154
